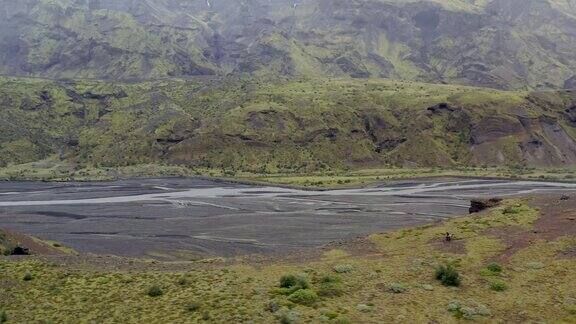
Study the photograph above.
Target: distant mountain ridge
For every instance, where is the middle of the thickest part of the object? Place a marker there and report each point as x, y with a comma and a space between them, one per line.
507, 44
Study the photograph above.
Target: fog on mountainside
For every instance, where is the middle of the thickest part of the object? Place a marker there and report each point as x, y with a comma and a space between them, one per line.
507, 44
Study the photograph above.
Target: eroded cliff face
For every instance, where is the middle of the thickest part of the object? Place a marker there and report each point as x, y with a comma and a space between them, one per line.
498, 43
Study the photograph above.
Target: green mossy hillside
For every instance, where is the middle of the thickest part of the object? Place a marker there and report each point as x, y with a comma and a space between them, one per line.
271, 126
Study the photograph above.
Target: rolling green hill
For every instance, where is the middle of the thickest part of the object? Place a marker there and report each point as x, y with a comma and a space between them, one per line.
288, 85
507, 44
302, 125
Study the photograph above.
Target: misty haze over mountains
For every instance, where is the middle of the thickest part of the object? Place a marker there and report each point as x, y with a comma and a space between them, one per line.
507, 44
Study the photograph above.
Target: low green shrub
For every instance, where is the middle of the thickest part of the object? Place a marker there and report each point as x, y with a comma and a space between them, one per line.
494, 267
305, 297
330, 314
448, 275
3, 317
292, 281
27, 276
498, 286
289, 317
330, 289
330, 279
397, 288
288, 281
155, 291
329, 285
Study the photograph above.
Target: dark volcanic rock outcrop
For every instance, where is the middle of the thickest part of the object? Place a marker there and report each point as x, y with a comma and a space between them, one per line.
478, 205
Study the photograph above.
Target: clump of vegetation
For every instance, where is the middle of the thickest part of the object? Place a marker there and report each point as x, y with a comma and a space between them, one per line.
193, 307
468, 310
288, 281
448, 275
292, 283
343, 268
298, 290
364, 308
512, 210
27, 276
272, 307
330, 314
305, 297
498, 286
183, 281
155, 291
3, 317
330, 286
535, 265
397, 288
288, 317
493, 269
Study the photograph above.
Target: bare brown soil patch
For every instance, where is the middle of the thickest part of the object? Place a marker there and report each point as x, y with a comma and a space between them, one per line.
569, 253
35, 246
557, 219
360, 247
454, 246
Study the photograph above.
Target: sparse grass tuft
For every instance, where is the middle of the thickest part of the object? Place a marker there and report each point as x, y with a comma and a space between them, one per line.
183, 281
193, 307
512, 210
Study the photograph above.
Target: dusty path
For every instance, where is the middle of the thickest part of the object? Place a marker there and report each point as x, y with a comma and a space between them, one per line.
186, 217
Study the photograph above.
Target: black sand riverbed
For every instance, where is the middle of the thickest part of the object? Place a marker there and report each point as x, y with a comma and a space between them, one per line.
185, 217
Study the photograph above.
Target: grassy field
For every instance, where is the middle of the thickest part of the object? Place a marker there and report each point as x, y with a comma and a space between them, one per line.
365, 177
390, 277
54, 170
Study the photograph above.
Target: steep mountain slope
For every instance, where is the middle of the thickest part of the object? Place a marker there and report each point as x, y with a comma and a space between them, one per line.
510, 44
284, 125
